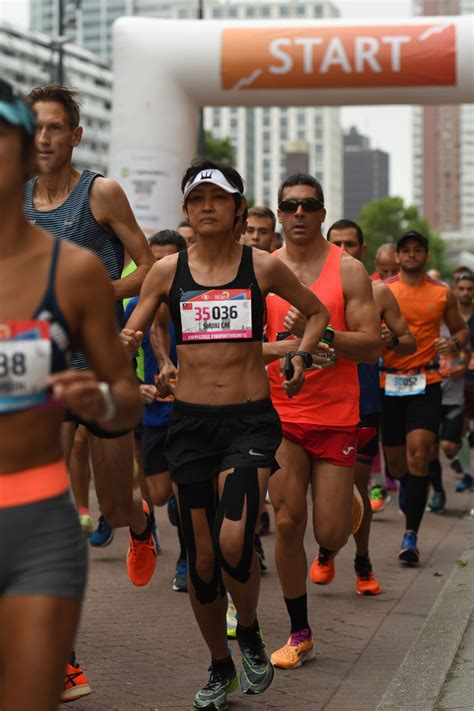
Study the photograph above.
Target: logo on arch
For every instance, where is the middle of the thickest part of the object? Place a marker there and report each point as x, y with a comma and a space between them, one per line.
338, 56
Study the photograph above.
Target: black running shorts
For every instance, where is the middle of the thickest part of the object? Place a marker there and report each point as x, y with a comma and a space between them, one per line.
153, 456
204, 440
93, 428
452, 423
402, 415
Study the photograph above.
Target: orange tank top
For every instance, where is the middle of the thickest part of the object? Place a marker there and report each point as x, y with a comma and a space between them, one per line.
329, 396
423, 307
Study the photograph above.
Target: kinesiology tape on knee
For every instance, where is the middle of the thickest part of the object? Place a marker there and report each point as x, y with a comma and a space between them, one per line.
199, 496
240, 488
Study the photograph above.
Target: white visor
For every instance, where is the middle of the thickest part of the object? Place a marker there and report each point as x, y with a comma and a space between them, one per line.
216, 177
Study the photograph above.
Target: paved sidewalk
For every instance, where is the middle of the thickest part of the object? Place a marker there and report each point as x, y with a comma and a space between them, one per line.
438, 670
142, 651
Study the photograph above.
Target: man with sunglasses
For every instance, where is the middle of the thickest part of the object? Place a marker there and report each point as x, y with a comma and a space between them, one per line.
320, 422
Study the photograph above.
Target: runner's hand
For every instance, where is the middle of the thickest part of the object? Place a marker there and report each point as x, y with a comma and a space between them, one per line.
79, 391
387, 340
131, 340
444, 346
295, 322
323, 356
166, 380
147, 394
293, 386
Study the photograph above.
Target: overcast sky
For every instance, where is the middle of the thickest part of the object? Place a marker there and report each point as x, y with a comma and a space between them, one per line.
389, 128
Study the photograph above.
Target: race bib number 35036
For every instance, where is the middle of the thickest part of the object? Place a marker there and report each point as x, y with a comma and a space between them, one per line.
25, 363
216, 314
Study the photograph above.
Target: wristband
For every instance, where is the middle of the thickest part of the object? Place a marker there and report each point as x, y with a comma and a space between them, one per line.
457, 344
306, 357
328, 335
110, 406
395, 340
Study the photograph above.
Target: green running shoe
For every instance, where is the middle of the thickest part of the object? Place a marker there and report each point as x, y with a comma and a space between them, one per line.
257, 670
213, 695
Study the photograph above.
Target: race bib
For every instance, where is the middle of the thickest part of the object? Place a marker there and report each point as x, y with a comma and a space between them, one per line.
216, 314
402, 384
25, 364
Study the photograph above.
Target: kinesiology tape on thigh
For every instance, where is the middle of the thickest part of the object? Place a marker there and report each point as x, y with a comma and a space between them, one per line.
199, 496
241, 487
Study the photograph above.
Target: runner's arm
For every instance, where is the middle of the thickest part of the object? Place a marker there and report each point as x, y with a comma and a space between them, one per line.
284, 283
362, 341
94, 332
396, 335
160, 336
456, 325
111, 208
153, 292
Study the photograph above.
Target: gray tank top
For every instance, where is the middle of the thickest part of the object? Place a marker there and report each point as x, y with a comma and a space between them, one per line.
74, 221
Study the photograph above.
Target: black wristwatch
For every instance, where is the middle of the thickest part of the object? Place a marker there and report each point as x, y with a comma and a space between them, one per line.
307, 358
328, 335
457, 344
395, 341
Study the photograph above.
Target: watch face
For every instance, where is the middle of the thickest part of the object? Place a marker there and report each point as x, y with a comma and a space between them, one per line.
329, 335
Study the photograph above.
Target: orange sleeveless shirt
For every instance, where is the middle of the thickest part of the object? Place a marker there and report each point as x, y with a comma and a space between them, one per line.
330, 396
423, 307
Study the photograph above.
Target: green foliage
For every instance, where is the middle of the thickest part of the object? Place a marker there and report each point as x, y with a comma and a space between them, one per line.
220, 149
386, 219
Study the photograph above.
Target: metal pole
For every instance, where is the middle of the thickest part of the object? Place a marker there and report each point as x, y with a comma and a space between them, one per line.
201, 135
60, 72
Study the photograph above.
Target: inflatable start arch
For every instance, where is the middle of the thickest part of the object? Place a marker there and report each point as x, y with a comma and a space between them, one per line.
164, 70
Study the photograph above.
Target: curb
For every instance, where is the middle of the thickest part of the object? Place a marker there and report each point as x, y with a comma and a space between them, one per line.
419, 680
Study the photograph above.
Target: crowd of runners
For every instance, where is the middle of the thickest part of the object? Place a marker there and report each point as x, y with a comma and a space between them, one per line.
220, 370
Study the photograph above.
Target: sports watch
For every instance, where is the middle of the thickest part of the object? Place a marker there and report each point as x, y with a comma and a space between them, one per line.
328, 335
457, 344
307, 358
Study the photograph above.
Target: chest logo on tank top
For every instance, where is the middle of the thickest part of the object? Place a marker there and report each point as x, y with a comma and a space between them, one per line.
25, 364
216, 315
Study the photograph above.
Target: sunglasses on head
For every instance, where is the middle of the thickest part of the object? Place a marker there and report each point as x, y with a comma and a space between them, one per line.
464, 276
308, 205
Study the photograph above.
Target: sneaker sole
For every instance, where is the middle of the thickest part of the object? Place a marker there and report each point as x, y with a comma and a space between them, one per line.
306, 657
76, 693
368, 593
102, 545
408, 557
219, 705
251, 689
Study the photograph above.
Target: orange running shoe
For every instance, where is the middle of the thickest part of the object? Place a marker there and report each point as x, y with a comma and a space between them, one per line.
294, 653
141, 557
322, 571
366, 583
75, 683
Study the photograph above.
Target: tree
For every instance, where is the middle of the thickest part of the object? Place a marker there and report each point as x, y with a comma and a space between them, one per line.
386, 219
220, 149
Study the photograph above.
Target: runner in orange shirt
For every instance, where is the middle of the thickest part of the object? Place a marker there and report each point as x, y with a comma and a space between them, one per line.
412, 384
320, 423
396, 336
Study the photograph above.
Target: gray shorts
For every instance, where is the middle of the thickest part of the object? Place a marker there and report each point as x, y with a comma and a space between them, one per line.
43, 549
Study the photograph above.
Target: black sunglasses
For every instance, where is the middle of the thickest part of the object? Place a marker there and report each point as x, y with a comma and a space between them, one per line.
308, 205
464, 276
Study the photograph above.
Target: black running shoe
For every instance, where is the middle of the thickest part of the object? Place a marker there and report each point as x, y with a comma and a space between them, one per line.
213, 695
257, 670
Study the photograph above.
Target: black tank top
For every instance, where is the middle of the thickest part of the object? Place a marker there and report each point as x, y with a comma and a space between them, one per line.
49, 310
229, 313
